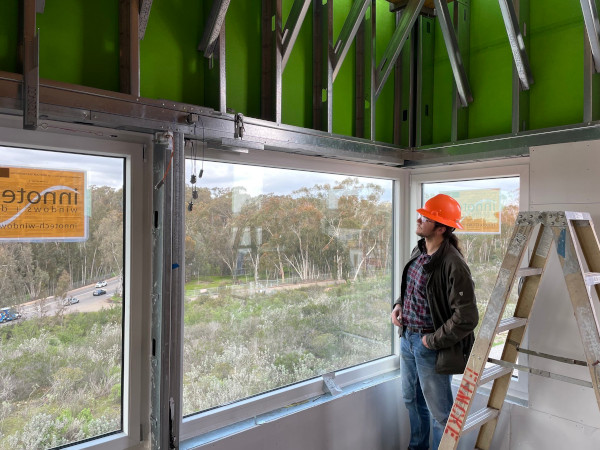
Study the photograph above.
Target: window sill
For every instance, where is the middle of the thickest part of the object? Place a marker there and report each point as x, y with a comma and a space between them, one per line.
270, 416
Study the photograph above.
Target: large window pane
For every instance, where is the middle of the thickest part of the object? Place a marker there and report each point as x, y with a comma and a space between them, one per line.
489, 207
61, 278
288, 276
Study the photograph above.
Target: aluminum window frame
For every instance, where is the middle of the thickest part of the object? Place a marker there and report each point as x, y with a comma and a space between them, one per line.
201, 423
473, 171
75, 139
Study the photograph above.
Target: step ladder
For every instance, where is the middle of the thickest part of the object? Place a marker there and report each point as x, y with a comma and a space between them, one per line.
578, 250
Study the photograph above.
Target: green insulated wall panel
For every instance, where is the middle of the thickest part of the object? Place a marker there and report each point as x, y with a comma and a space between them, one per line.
9, 35
557, 49
296, 103
79, 42
171, 67
343, 86
242, 26
384, 123
490, 73
443, 81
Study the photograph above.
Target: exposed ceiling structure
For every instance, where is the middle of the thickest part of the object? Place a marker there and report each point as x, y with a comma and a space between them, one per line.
406, 56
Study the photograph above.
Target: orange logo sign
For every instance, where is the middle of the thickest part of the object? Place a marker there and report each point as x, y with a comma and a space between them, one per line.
42, 205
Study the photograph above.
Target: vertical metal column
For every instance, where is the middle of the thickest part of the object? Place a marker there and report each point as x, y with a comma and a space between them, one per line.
161, 257
373, 78
222, 72
322, 65
177, 274
398, 94
359, 91
167, 289
31, 74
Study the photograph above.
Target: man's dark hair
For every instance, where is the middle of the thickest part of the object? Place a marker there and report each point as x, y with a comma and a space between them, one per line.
450, 236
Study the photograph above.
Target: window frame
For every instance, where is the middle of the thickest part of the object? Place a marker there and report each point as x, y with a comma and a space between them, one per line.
201, 423
518, 388
75, 139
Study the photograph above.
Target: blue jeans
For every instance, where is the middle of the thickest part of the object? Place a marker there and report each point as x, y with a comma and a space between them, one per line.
426, 393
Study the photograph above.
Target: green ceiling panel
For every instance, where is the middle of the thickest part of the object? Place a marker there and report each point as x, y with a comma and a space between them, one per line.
344, 84
296, 108
9, 35
171, 66
443, 89
244, 67
384, 114
490, 71
79, 42
557, 33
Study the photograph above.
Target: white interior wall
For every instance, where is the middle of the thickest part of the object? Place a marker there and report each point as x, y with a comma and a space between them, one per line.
560, 415
369, 419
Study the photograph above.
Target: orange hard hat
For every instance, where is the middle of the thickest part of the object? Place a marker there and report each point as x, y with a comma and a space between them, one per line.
443, 209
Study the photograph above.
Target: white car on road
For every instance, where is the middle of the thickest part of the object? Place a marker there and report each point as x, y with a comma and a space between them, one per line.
100, 284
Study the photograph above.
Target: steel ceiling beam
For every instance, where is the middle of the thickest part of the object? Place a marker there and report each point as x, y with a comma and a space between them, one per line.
458, 69
517, 43
592, 26
215, 22
349, 30
67, 103
145, 7
388, 61
292, 28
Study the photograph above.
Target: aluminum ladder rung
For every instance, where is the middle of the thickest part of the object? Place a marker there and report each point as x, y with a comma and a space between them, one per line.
591, 278
492, 372
529, 271
478, 418
510, 324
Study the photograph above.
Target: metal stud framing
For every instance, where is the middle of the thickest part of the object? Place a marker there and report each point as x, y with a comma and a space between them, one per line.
31, 73
145, 7
520, 97
349, 30
592, 26
517, 43
452, 45
214, 25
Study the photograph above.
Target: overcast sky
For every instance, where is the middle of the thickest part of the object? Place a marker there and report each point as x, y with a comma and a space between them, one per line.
263, 180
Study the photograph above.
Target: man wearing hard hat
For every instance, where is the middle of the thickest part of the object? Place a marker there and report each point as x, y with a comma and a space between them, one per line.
436, 314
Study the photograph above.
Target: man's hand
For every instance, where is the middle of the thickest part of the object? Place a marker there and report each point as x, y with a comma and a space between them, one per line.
424, 342
397, 315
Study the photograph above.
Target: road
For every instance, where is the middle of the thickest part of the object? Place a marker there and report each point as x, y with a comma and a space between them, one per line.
87, 302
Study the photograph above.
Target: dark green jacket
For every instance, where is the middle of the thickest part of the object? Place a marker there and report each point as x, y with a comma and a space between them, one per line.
451, 298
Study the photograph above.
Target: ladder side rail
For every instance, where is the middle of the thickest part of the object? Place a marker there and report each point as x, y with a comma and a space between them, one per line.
524, 306
493, 314
582, 306
587, 250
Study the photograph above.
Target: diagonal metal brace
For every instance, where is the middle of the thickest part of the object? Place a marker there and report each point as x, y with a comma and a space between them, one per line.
348, 33
407, 20
592, 26
292, 28
458, 68
517, 44
145, 7
213, 27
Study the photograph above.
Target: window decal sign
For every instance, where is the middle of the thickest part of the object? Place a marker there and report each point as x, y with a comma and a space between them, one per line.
39, 205
480, 209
